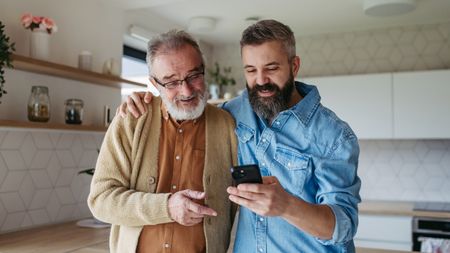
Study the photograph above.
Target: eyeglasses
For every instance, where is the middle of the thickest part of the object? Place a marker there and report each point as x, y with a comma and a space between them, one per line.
193, 79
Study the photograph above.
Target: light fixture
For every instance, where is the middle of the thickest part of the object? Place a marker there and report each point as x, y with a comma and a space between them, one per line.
386, 8
201, 24
140, 33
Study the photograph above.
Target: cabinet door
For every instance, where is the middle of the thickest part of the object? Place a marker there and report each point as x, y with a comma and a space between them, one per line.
363, 101
384, 232
422, 104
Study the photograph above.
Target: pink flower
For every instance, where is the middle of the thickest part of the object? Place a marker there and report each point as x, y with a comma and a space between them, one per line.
48, 22
26, 20
37, 19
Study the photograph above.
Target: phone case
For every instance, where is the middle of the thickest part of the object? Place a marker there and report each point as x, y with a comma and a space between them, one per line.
246, 174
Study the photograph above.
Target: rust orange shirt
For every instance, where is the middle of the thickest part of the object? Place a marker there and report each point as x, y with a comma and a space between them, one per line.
180, 167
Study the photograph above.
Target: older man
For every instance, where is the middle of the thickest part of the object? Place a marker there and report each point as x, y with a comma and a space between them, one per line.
161, 180
308, 156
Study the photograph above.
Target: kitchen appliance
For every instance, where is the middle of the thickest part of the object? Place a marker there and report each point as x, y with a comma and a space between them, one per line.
424, 227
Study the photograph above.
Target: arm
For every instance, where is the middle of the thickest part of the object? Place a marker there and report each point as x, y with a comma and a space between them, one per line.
334, 219
112, 198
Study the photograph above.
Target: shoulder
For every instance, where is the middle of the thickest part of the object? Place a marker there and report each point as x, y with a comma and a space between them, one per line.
218, 115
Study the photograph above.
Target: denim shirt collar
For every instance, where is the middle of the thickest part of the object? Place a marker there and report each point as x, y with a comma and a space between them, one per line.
303, 110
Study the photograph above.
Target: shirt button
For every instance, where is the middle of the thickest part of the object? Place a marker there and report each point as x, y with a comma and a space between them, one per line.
260, 250
180, 130
263, 164
263, 140
174, 187
289, 164
261, 219
277, 122
177, 157
166, 245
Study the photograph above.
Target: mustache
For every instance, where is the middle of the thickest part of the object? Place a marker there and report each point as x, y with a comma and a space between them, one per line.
185, 98
266, 87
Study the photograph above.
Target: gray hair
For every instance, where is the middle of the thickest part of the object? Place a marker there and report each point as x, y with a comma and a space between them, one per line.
269, 30
171, 40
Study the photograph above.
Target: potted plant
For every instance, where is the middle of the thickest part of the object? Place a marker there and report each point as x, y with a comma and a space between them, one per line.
6, 49
220, 79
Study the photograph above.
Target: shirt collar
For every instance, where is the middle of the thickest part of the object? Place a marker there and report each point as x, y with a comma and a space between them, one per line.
305, 109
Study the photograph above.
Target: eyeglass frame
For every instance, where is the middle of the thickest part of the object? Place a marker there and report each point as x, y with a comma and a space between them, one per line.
180, 81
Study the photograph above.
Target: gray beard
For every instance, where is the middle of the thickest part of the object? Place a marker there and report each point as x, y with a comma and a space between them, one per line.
268, 108
183, 114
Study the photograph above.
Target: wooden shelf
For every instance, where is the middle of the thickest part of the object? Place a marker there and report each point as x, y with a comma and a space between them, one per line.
54, 69
50, 126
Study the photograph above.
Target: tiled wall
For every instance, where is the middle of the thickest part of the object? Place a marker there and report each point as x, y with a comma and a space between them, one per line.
406, 48
39, 183
411, 170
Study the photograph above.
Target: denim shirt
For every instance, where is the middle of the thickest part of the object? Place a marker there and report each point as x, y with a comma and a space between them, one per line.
314, 155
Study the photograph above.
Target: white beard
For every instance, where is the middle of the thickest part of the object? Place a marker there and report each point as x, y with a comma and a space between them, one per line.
185, 114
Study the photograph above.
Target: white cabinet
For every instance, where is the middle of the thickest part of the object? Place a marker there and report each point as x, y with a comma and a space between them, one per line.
409, 105
384, 232
363, 101
422, 104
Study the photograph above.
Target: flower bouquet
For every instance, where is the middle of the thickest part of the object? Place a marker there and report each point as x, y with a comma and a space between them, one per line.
37, 22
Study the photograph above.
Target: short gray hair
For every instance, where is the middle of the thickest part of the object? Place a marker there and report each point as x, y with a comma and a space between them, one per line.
171, 40
269, 30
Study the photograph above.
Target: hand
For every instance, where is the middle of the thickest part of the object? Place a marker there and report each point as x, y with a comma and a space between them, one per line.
266, 199
135, 104
185, 211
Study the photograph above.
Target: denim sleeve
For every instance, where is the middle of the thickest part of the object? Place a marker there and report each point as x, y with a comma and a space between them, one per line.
338, 187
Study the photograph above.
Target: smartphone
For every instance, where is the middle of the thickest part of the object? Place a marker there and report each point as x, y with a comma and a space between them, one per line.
246, 174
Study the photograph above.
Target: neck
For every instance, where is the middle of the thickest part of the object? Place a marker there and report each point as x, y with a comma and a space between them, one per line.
295, 98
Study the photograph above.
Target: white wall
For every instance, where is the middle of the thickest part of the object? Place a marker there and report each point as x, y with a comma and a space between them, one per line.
82, 24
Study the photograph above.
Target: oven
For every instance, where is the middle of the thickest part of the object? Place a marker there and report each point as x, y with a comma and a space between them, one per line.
423, 227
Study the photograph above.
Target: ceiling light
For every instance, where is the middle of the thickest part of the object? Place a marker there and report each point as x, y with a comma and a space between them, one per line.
201, 24
386, 8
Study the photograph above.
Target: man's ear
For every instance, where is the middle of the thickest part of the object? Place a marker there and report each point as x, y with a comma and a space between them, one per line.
295, 65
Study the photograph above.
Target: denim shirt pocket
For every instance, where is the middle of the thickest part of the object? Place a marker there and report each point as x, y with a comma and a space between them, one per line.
296, 165
244, 133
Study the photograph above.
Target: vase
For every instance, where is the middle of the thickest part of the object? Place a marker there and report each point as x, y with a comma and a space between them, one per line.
214, 91
40, 44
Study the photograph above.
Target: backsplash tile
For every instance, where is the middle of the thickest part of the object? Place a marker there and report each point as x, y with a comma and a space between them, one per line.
39, 183
409, 170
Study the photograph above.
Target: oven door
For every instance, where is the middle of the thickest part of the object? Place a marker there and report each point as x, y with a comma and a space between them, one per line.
429, 228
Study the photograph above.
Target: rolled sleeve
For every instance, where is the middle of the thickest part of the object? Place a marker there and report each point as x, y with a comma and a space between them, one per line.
339, 188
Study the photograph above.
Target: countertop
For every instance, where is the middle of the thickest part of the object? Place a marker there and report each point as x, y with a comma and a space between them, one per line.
69, 238
397, 208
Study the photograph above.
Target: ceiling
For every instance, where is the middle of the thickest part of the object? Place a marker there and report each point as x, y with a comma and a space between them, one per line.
305, 17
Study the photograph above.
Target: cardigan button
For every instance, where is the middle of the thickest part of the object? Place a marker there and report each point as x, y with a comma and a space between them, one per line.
151, 180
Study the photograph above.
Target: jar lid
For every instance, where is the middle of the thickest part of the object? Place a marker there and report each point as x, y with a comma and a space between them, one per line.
74, 101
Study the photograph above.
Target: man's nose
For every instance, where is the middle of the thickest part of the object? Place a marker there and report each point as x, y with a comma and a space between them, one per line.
185, 89
262, 78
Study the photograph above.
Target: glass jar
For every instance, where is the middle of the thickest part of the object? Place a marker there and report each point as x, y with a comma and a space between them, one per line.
39, 104
74, 111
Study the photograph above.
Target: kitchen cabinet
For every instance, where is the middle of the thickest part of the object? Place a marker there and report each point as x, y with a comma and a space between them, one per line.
408, 105
384, 232
363, 101
422, 104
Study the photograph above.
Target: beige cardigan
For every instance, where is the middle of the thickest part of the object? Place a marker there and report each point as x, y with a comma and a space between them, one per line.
123, 186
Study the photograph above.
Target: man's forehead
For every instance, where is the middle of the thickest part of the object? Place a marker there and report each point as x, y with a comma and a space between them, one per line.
264, 53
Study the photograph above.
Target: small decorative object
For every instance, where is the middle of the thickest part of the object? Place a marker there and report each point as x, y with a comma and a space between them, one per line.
41, 28
39, 104
111, 67
6, 49
74, 111
85, 60
214, 91
220, 79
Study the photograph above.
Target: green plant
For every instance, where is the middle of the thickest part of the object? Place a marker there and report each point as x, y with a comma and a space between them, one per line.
220, 79
6, 50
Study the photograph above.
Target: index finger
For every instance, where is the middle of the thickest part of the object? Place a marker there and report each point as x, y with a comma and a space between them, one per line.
199, 209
